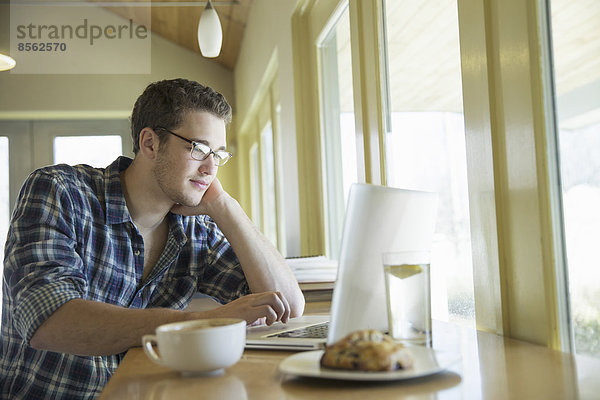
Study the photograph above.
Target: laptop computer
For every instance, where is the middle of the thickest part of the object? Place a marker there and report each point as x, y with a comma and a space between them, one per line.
377, 219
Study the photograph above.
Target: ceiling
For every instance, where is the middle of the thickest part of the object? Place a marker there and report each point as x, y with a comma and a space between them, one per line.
179, 23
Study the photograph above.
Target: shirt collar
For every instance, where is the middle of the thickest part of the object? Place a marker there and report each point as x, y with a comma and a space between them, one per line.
177, 229
116, 208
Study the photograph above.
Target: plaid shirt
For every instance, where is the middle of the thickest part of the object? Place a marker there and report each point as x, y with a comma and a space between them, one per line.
72, 237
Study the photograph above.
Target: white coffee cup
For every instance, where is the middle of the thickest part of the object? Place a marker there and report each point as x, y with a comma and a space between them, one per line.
199, 346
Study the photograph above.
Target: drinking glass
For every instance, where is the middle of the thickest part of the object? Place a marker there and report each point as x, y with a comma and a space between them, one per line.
408, 294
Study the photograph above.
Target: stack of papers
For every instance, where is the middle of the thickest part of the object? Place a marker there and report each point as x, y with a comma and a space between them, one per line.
313, 269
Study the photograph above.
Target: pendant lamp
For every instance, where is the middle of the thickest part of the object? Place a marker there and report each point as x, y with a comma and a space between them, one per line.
210, 34
6, 62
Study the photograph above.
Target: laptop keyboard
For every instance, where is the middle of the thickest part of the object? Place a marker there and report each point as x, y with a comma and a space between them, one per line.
318, 331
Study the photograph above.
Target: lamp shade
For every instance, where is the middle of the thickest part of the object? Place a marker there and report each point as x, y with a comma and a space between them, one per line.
210, 35
6, 62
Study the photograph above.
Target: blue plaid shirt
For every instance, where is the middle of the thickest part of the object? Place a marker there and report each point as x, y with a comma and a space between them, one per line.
71, 237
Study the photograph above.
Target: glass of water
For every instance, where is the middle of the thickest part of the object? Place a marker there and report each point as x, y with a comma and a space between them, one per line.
408, 293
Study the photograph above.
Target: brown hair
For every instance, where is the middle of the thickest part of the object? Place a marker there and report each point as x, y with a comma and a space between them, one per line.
165, 104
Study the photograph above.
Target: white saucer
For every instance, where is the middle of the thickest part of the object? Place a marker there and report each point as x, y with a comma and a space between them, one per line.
427, 361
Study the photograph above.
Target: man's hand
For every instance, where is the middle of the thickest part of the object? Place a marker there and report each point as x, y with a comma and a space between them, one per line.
264, 267
267, 306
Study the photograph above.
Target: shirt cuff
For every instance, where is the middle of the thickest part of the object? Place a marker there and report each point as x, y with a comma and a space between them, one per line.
39, 303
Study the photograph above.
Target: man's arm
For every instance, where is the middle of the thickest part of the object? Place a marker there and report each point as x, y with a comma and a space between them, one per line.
264, 267
86, 327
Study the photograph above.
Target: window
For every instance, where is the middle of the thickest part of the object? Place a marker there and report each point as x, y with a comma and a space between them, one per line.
425, 140
338, 141
268, 184
4, 192
576, 42
93, 142
259, 137
4, 203
97, 151
255, 186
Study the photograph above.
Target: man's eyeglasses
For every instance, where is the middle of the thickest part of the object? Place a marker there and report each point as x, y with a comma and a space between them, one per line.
200, 151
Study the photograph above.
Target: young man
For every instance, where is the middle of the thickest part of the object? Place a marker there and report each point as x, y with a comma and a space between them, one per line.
96, 258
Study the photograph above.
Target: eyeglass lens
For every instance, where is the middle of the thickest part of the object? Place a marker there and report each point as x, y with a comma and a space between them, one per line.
201, 152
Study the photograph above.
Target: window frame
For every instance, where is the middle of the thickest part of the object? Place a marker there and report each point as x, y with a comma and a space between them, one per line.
510, 129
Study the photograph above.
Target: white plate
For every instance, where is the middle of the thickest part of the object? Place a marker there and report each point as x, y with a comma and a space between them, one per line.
427, 361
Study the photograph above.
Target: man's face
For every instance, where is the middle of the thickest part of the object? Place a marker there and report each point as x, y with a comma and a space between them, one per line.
181, 178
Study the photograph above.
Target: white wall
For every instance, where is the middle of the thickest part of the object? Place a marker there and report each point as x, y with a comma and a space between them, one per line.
269, 29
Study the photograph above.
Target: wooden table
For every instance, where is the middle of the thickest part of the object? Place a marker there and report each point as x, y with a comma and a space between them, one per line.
492, 367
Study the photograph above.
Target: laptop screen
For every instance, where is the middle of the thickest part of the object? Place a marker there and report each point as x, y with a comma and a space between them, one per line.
378, 219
